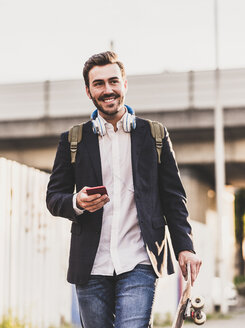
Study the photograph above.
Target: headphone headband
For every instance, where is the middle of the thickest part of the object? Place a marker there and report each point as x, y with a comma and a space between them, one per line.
129, 121
94, 114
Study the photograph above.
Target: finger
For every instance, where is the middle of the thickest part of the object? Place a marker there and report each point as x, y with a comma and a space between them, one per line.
96, 205
193, 273
198, 267
184, 270
94, 201
182, 266
88, 198
102, 199
94, 208
82, 196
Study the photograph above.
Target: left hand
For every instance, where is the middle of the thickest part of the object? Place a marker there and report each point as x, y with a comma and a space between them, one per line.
195, 264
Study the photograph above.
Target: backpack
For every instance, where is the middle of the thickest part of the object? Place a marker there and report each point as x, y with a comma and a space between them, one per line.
75, 136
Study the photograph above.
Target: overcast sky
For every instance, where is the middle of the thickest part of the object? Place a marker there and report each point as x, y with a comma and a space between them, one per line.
51, 39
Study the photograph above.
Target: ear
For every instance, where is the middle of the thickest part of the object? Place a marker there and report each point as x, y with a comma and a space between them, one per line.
125, 85
88, 92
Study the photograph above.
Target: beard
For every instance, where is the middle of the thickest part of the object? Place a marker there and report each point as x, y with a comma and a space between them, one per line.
119, 99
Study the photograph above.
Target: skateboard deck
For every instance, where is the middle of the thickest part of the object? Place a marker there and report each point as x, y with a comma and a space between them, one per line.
187, 307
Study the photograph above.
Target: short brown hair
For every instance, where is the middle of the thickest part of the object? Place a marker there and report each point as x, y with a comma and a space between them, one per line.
101, 59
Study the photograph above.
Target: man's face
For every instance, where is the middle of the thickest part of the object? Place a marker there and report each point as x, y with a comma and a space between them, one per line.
107, 89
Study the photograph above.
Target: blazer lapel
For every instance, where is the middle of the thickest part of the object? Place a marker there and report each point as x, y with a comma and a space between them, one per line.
92, 145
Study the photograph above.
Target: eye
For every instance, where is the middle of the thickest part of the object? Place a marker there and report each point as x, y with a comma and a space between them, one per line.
97, 84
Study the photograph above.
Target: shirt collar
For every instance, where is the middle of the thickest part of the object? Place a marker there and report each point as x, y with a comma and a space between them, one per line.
109, 125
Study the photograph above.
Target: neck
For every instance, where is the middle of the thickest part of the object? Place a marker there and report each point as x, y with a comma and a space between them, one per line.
113, 119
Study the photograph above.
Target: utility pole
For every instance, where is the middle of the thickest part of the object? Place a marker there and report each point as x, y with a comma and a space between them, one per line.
46, 98
219, 166
112, 46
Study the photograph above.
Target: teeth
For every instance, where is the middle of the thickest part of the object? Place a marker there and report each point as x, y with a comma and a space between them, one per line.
108, 99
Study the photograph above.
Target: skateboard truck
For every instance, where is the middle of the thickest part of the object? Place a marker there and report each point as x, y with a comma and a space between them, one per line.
187, 312
194, 311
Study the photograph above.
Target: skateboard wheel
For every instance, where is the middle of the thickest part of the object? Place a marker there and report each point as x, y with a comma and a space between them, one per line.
198, 302
199, 318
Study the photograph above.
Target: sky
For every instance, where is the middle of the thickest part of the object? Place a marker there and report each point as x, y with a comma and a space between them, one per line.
51, 39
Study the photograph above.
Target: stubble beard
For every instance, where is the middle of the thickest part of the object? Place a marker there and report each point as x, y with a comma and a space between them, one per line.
118, 106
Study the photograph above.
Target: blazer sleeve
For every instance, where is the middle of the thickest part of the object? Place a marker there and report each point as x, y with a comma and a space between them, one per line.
173, 199
62, 182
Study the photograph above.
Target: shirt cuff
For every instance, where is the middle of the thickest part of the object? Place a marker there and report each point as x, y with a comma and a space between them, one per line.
77, 210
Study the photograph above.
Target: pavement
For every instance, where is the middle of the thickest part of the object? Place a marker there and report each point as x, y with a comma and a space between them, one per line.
232, 320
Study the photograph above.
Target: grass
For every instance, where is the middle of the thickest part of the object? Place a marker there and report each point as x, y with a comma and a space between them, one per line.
8, 321
218, 316
162, 321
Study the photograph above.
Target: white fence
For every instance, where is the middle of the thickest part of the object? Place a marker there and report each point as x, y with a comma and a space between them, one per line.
34, 254
33, 250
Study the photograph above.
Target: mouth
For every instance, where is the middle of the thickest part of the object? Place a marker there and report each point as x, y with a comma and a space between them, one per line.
109, 99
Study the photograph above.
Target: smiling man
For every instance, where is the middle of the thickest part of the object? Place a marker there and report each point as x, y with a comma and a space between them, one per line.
107, 90
118, 246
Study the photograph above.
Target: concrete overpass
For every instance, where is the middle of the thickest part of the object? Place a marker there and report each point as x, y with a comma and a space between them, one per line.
32, 116
34, 141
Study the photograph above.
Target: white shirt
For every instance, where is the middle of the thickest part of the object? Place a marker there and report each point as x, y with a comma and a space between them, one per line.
121, 245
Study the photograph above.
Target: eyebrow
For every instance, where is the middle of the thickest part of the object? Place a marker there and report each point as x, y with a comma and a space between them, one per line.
101, 80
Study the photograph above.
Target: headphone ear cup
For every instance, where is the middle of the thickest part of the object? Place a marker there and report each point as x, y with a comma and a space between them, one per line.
133, 118
129, 122
126, 123
94, 126
98, 127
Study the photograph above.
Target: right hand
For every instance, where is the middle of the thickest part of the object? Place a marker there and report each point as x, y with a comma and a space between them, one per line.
91, 203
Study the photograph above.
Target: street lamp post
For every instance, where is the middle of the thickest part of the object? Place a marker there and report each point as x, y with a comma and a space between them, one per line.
219, 165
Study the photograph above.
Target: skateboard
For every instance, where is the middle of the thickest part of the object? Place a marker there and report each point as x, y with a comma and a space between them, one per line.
189, 308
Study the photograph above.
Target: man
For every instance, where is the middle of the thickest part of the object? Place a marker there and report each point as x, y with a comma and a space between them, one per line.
118, 244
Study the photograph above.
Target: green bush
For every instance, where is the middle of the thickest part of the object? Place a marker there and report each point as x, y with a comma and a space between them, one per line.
239, 282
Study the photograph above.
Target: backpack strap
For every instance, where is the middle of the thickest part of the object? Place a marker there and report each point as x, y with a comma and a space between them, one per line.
158, 133
74, 137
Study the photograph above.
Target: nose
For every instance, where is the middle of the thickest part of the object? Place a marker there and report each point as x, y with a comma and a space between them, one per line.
108, 88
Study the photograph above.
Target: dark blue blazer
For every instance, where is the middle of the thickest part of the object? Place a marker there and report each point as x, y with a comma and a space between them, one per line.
159, 196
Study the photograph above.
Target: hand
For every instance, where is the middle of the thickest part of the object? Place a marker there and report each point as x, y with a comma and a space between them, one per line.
195, 264
91, 203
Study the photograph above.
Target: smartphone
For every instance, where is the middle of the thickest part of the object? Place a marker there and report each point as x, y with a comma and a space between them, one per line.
97, 190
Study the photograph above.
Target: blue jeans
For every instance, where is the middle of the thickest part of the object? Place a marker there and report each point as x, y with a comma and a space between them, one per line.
120, 301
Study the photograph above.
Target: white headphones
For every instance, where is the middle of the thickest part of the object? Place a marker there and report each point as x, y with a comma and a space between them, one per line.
129, 122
